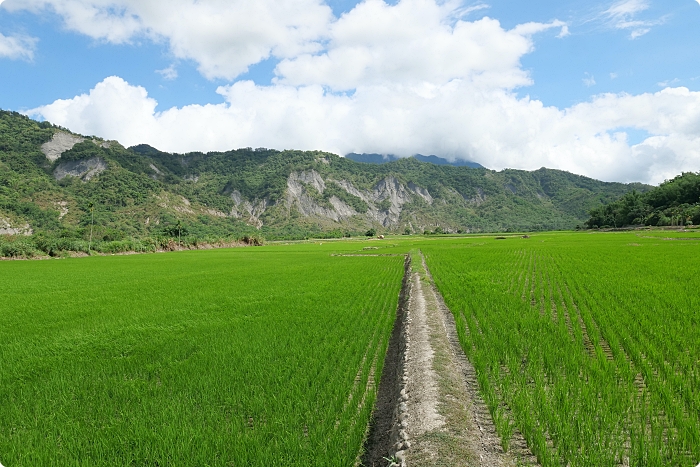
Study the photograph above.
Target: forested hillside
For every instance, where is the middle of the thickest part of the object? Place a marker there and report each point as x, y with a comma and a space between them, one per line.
56, 187
675, 202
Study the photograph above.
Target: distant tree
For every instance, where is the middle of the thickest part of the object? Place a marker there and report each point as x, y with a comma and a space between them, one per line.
91, 206
178, 226
675, 202
371, 232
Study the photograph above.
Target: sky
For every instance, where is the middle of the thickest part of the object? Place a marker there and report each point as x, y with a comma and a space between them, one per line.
609, 89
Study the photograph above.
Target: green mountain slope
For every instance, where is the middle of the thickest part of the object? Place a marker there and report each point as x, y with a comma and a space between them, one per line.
50, 177
675, 202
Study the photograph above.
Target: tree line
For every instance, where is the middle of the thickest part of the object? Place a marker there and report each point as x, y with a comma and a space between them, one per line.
675, 202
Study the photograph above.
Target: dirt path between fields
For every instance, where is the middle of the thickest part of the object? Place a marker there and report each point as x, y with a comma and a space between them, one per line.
448, 423
438, 417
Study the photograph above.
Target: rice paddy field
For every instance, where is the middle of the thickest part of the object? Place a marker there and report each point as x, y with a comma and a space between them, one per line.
244, 357
588, 344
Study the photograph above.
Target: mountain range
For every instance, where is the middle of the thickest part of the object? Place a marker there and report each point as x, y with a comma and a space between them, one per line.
373, 158
53, 181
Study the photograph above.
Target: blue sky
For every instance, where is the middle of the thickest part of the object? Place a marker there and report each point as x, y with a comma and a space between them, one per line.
609, 89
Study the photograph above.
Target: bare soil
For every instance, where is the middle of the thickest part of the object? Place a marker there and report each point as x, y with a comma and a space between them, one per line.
429, 411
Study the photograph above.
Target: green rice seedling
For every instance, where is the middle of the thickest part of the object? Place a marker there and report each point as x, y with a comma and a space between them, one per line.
588, 339
261, 357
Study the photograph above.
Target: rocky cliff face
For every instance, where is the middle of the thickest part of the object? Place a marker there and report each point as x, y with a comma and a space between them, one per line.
248, 211
83, 169
385, 200
303, 190
60, 143
305, 195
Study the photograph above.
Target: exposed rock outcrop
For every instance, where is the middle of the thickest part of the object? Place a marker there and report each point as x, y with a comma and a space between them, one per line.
341, 208
248, 210
84, 169
478, 199
385, 200
60, 143
420, 191
298, 195
350, 188
62, 208
310, 177
7, 228
396, 193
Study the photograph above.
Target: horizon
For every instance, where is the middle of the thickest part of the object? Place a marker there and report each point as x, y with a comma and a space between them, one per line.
605, 90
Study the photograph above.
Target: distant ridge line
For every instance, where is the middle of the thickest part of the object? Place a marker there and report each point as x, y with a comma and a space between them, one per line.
372, 158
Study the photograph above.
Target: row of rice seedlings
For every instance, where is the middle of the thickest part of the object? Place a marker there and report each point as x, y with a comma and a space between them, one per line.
207, 358
570, 396
647, 342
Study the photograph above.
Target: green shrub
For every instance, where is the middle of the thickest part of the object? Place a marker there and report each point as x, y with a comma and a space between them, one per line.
23, 248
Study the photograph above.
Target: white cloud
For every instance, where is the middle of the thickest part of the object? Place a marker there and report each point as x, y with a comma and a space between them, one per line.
613, 75
564, 32
668, 82
458, 119
406, 78
466, 11
589, 80
621, 15
17, 47
169, 73
413, 42
224, 37
625, 8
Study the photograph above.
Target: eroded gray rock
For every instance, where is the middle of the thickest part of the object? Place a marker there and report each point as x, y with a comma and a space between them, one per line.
60, 143
249, 210
389, 189
420, 191
7, 228
310, 177
84, 169
298, 196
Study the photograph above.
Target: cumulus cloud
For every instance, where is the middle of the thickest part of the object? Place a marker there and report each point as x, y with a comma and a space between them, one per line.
413, 42
224, 37
413, 77
457, 120
17, 47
